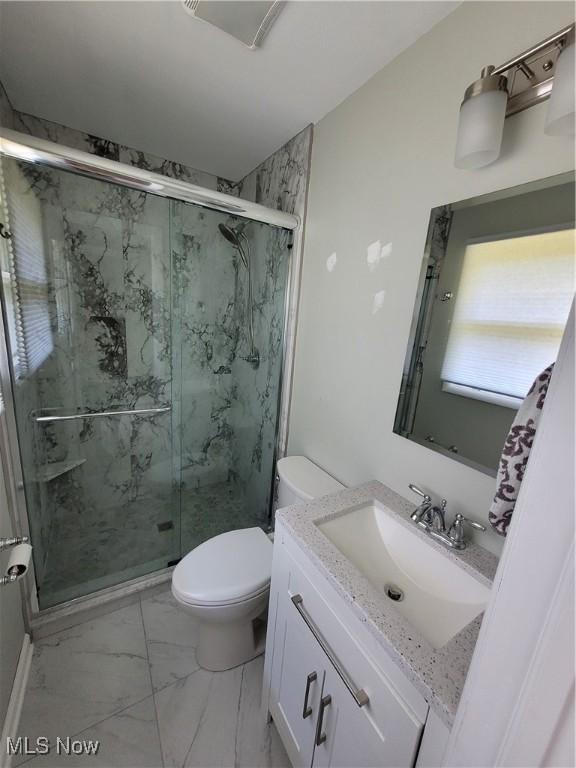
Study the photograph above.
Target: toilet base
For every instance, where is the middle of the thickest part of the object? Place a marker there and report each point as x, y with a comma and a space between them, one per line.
225, 646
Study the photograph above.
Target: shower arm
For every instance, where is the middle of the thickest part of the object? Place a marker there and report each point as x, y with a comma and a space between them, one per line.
248, 258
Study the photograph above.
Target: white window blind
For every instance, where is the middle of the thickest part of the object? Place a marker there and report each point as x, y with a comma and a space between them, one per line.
511, 307
28, 277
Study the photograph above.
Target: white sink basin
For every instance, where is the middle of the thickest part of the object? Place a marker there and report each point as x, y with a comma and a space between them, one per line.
439, 598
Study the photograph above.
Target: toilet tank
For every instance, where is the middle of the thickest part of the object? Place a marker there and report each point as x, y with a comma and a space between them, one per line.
301, 480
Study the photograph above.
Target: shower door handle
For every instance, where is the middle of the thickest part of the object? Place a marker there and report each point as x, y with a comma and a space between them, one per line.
96, 414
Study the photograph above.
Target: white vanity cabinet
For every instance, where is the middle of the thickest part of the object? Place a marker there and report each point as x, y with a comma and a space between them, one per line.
336, 697
346, 735
298, 681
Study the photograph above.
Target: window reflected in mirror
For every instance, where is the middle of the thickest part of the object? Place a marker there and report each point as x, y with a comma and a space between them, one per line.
493, 300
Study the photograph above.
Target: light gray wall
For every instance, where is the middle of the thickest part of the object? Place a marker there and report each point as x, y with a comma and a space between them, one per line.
380, 162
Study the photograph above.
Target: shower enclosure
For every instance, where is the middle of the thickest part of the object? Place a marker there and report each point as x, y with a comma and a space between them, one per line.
146, 360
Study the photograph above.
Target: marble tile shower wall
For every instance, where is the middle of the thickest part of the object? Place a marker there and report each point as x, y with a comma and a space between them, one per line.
279, 182
206, 336
255, 408
70, 137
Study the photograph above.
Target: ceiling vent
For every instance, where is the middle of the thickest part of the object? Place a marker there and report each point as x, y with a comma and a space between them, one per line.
247, 21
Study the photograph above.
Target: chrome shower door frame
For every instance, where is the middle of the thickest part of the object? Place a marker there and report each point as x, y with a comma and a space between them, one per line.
32, 150
44, 153
11, 465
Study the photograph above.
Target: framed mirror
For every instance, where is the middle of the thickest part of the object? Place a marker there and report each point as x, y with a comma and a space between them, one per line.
493, 299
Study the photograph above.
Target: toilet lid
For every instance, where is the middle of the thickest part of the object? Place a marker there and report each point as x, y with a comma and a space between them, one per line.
225, 569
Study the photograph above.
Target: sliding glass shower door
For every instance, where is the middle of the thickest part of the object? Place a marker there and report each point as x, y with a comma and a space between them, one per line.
230, 278
87, 287
146, 338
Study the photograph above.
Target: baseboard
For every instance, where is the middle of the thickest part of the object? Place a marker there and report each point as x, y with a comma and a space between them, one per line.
14, 710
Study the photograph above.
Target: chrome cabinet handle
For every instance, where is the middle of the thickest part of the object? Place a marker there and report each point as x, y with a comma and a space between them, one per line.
307, 710
325, 701
359, 694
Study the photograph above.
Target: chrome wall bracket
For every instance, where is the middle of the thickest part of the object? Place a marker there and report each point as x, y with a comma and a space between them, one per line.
13, 541
531, 73
10, 579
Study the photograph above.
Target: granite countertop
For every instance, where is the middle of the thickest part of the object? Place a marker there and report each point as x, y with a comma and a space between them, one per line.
438, 674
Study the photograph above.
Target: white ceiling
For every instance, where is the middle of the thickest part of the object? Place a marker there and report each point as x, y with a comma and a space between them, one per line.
148, 75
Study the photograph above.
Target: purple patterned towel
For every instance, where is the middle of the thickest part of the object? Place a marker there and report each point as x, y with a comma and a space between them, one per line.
516, 452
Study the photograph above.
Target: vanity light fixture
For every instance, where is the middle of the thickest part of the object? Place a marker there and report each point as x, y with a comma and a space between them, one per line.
560, 116
546, 70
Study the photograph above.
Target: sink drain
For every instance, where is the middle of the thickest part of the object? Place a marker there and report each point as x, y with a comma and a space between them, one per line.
394, 592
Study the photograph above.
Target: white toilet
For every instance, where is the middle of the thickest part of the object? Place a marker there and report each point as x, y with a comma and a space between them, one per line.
225, 581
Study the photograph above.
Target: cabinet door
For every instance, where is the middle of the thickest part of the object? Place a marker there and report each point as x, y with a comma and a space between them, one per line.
296, 684
347, 735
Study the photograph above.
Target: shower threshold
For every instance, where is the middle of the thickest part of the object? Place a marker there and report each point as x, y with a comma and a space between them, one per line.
80, 609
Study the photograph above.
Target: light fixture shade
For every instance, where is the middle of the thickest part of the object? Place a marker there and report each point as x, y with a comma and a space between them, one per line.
560, 116
480, 129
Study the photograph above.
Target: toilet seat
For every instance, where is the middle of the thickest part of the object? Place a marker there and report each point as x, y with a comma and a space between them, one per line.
231, 568
196, 602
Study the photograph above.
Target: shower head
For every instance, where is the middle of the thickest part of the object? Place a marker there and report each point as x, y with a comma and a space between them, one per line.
234, 239
230, 235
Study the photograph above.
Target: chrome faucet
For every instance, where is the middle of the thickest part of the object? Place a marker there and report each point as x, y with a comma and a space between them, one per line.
432, 519
423, 511
428, 513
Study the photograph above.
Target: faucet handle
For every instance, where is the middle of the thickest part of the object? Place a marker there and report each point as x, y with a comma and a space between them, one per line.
456, 532
471, 523
419, 491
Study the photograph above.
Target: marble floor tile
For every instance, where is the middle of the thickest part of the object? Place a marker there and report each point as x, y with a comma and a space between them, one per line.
215, 719
170, 637
258, 744
214, 743
93, 681
85, 674
128, 739
181, 708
